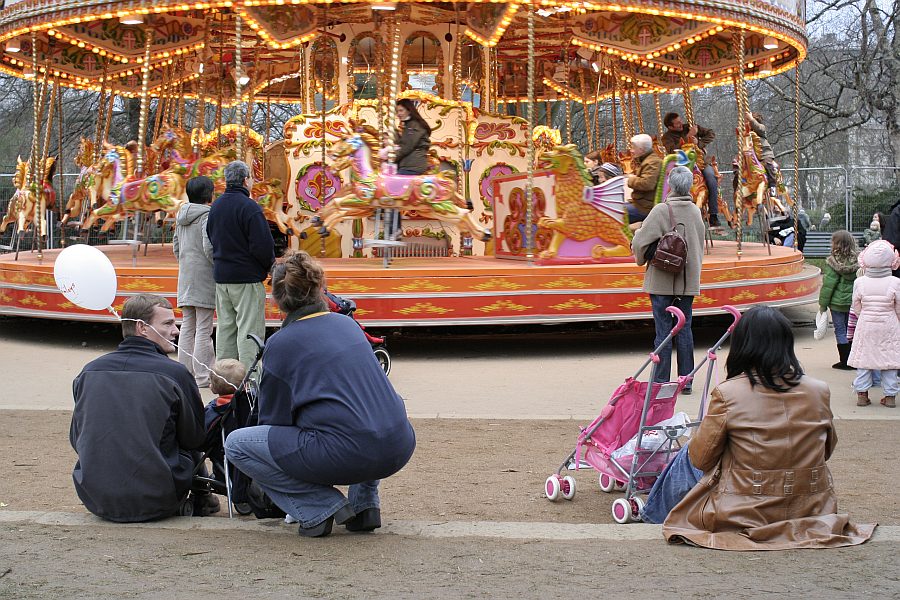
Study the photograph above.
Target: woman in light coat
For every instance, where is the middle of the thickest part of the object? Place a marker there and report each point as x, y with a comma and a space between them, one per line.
196, 286
759, 455
876, 302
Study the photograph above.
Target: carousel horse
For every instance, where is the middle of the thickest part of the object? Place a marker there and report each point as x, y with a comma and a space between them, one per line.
22, 205
622, 159
431, 196
120, 195
585, 212
172, 146
84, 182
686, 156
270, 197
752, 187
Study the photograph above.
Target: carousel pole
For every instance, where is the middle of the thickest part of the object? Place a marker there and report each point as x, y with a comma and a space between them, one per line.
597, 133
59, 143
529, 187
615, 90
145, 89
394, 85
40, 164
738, 43
660, 147
568, 97
637, 103
324, 38
586, 112
797, 201
101, 111
238, 85
685, 91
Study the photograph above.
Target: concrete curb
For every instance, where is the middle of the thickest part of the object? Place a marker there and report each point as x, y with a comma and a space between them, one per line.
423, 529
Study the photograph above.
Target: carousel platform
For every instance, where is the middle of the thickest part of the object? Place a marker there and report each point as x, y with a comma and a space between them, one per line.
447, 291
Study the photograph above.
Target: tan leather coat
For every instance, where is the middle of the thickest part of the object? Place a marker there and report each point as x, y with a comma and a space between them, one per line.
766, 485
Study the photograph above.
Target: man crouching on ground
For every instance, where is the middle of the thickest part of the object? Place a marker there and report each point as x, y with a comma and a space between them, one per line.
137, 416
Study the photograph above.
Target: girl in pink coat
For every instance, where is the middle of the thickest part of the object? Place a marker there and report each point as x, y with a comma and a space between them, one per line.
876, 344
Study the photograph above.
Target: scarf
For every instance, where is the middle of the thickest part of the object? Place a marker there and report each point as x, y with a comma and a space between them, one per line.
878, 272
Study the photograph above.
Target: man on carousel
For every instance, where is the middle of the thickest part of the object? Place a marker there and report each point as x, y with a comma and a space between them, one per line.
676, 133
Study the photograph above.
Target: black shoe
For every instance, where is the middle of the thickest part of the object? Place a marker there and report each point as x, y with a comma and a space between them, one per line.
714, 221
324, 528
367, 520
206, 505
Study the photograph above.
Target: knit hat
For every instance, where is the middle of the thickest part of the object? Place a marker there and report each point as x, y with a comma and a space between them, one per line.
879, 254
611, 169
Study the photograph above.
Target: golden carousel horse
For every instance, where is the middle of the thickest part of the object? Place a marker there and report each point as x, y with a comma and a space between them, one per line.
21, 206
119, 194
430, 196
75, 205
752, 187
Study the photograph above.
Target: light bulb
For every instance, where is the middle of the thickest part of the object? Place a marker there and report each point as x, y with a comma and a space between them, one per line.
13, 45
135, 19
770, 43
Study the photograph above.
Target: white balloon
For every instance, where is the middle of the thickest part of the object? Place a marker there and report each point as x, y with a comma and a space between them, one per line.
86, 277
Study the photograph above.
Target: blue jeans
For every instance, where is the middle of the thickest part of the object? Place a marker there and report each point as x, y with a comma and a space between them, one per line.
634, 215
684, 341
839, 319
309, 503
673, 484
712, 186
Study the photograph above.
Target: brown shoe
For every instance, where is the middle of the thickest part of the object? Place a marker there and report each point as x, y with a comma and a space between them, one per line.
862, 398
888, 402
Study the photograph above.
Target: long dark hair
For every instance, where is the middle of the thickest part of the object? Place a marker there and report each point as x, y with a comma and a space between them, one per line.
762, 348
414, 115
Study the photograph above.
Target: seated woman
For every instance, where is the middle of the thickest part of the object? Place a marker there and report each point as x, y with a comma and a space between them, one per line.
753, 477
327, 413
413, 140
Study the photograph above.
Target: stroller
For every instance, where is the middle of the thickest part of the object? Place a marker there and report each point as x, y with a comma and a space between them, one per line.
345, 306
243, 497
635, 436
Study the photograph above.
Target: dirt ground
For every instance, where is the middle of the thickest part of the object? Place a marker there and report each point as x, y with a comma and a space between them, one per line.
462, 470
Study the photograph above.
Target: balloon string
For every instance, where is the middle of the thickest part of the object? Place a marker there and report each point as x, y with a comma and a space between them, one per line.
212, 373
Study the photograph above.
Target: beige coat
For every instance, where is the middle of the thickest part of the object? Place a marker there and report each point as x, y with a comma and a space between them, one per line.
766, 485
657, 224
644, 181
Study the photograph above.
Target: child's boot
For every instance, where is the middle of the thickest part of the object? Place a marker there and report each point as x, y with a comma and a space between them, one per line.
862, 398
889, 402
844, 354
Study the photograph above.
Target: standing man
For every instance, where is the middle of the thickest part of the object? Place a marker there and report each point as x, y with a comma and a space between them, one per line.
673, 289
196, 286
137, 416
643, 182
676, 131
890, 229
243, 253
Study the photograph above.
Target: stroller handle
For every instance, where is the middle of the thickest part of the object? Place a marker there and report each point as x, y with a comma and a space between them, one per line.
734, 313
259, 344
679, 319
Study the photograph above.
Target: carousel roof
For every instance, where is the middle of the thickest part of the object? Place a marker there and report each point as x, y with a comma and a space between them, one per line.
581, 50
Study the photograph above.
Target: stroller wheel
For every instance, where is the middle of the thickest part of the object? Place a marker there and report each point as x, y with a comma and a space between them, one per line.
242, 508
607, 483
552, 488
384, 358
618, 485
637, 505
187, 508
621, 511
568, 487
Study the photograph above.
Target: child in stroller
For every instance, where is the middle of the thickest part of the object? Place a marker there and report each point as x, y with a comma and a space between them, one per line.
224, 415
346, 306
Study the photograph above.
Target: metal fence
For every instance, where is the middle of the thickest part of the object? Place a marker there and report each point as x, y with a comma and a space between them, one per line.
847, 195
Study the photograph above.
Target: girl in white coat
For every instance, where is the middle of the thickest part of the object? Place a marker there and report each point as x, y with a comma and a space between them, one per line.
876, 345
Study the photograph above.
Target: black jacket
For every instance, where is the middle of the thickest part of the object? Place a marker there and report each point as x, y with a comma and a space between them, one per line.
243, 248
415, 141
890, 231
137, 413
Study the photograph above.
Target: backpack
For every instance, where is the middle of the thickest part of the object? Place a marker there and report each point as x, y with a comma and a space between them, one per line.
672, 249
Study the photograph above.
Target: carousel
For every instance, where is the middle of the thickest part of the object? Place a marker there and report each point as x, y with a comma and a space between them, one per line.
507, 226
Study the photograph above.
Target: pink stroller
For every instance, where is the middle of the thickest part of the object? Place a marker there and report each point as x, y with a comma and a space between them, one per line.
626, 443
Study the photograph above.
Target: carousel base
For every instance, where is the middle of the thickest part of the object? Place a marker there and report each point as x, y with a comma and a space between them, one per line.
447, 291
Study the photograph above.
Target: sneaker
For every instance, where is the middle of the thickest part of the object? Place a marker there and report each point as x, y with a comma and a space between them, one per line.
714, 221
324, 528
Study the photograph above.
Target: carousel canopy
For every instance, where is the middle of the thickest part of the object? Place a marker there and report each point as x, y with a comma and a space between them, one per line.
582, 50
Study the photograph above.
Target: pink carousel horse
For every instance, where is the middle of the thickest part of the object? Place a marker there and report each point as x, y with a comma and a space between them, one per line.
431, 196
